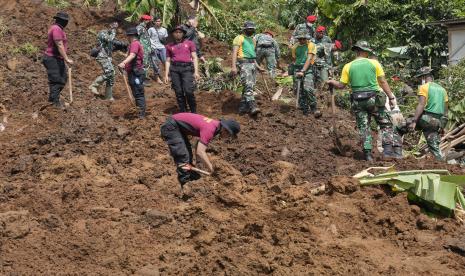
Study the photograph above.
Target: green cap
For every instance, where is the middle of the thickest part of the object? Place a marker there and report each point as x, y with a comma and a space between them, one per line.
363, 46
423, 71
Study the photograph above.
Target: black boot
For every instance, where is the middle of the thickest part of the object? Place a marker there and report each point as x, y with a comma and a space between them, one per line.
254, 110
368, 156
387, 152
397, 152
243, 107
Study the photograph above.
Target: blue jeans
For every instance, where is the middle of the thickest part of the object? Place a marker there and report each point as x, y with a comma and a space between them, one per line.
157, 56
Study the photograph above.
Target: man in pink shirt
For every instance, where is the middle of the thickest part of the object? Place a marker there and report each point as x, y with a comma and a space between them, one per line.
183, 67
134, 66
55, 57
175, 132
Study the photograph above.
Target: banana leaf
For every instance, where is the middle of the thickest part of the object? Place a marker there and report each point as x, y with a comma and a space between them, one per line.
435, 187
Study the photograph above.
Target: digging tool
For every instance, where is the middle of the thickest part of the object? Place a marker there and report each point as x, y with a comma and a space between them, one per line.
266, 83
299, 87
70, 83
337, 141
125, 78
200, 171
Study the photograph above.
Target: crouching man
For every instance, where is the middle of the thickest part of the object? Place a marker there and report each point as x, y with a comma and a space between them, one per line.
175, 132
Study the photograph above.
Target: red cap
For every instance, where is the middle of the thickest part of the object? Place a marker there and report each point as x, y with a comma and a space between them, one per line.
338, 44
146, 17
320, 29
269, 32
311, 18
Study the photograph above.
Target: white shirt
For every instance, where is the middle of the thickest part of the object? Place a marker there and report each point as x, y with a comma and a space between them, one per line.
155, 36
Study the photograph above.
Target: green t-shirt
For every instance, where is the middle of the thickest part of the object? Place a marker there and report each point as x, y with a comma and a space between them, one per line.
436, 97
362, 74
300, 53
246, 46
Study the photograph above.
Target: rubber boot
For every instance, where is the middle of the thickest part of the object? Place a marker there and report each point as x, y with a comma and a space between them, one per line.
109, 93
253, 109
397, 152
243, 107
94, 86
367, 155
387, 151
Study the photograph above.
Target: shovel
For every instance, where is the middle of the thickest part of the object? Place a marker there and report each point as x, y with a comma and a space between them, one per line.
297, 96
70, 80
125, 78
336, 140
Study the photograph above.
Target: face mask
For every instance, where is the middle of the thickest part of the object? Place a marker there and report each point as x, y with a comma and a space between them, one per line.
61, 22
249, 32
309, 24
423, 81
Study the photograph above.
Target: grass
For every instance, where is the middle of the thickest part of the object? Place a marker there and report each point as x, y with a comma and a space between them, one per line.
27, 49
3, 27
60, 4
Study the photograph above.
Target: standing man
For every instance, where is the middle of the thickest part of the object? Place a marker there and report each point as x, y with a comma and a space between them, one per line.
134, 66
158, 36
431, 112
308, 28
55, 57
244, 57
183, 67
366, 79
106, 45
175, 132
144, 40
323, 61
303, 54
267, 48
192, 34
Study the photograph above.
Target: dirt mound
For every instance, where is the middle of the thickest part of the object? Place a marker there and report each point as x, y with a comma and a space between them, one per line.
92, 190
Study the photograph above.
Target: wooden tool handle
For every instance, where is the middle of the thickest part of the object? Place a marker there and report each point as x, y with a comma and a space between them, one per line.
70, 83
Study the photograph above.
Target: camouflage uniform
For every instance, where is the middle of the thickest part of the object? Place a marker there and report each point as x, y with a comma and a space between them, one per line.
431, 125
144, 39
105, 40
307, 99
374, 107
323, 61
248, 73
267, 48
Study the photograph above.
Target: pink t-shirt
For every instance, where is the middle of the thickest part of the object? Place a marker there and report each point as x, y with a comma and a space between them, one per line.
55, 33
198, 126
136, 48
180, 52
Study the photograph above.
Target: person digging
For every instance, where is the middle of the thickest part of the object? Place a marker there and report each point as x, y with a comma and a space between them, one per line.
175, 132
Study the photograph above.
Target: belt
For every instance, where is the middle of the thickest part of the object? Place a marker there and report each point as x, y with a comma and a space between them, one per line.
435, 115
182, 64
246, 60
265, 46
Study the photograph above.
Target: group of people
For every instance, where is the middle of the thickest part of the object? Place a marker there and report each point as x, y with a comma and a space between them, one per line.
312, 53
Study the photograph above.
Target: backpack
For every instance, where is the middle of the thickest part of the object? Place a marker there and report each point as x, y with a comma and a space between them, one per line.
265, 41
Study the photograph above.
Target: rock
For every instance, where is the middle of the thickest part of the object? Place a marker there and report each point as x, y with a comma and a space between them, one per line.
156, 218
285, 152
342, 185
12, 64
122, 131
424, 222
148, 270
139, 187
15, 224
103, 212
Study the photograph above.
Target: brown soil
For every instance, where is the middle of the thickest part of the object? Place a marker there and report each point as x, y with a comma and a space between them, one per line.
92, 190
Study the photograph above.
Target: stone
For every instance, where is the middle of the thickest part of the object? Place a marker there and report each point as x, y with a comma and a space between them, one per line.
15, 224
12, 64
156, 218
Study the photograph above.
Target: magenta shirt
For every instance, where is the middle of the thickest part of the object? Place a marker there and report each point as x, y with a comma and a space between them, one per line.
180, 52
55, 33
136, 48
198, 126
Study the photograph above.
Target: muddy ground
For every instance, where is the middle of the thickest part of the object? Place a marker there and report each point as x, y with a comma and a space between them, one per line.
93, 191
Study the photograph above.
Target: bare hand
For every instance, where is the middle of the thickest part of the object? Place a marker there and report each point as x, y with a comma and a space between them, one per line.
412, 126
393, 103
202, 58
197, 76
299, 74
166, 80
234, 71
69, 61
122, 65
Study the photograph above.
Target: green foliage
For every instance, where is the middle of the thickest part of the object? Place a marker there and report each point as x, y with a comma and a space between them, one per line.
452, 80
60, 4
3, 27
27, 49
93, 3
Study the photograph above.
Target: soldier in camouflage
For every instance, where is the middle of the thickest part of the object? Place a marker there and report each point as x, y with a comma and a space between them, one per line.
267, 49
303, 54
106, 44
308, 28
366, 79
323, 61
244, 58
431, 112
144, 38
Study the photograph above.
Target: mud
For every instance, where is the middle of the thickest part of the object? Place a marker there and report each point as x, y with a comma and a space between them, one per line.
93, 191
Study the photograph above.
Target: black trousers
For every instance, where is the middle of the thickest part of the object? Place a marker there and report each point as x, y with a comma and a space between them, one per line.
182, 82
136, 82
57, 77
178, 143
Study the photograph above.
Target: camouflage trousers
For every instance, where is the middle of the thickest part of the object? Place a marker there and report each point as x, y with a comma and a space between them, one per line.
307, 98
108, 69
365, 110
430, 125
248, 73
268, 54
321, 75
147, 53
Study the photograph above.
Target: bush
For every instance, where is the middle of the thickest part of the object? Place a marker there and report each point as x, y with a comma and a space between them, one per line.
27, 49
60, 4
